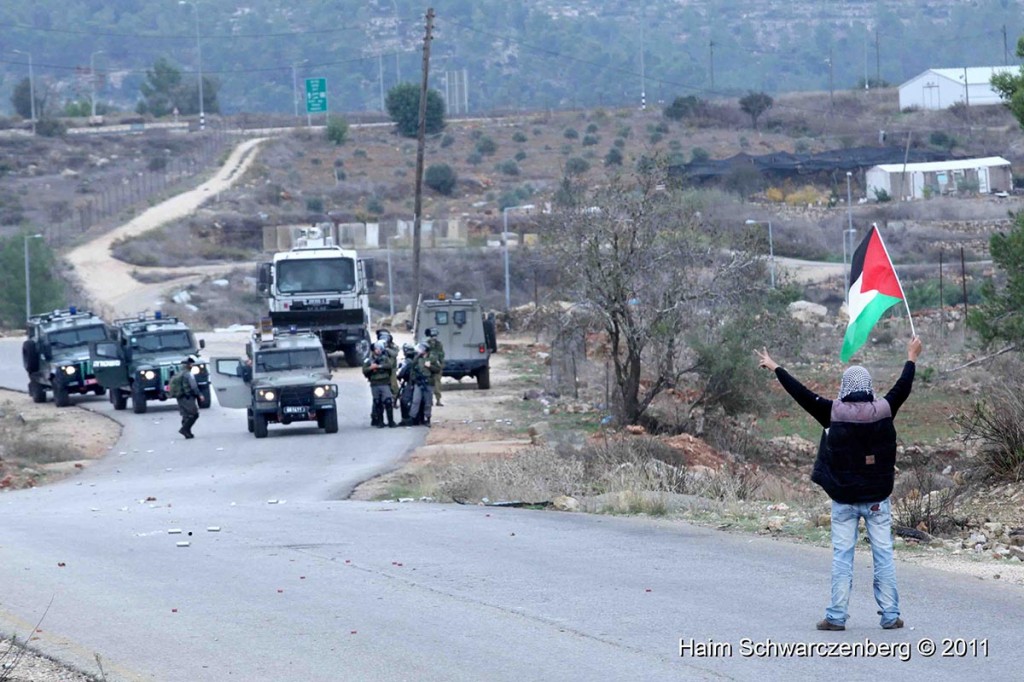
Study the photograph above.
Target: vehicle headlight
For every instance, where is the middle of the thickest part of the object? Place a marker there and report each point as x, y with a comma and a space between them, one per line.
148, 374
69, 369
320, 391
267, 395
198, 369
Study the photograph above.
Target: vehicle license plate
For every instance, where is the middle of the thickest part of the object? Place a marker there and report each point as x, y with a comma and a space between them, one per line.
294, 409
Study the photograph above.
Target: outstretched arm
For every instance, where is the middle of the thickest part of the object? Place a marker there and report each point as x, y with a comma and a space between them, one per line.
900, 391
816, 406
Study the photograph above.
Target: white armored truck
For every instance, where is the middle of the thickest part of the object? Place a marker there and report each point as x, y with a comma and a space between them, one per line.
321, 287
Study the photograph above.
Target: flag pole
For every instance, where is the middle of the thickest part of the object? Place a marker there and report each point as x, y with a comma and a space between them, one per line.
897, 275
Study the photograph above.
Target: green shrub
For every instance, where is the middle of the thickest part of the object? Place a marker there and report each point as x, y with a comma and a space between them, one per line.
447, 141
699, 155
50, 127
519, 136
486, 146
592, 128
374, 205
337, 129
156, 163
576, 166
590, 140
508, 167
655, 138
315, 204
441, 178
570, 134
613, 157
474, 159
520, 155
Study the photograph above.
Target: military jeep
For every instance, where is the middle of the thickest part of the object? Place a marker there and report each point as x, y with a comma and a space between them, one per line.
284, 378
469, 336
56, 354
139, 362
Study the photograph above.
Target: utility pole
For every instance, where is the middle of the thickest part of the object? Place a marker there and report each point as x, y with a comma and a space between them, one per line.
380, 78
1006, 53
643, 75
420, 146
711, 62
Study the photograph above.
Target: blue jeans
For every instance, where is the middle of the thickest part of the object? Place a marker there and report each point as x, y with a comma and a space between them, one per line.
878, 519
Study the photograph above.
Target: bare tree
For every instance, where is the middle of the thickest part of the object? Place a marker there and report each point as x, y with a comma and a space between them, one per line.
650, 272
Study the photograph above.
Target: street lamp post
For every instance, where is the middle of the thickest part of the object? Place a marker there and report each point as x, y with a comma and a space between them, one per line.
295, 86
92, 78
398, 36
28, 279
847, 234
31, 88
504, 240
771, 247
199, 61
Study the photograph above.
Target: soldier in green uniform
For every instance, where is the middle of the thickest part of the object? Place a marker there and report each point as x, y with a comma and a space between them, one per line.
420, 374
377, 369
436, 356
391, 348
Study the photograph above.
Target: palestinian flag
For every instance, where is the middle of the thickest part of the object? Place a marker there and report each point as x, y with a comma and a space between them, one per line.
874, 288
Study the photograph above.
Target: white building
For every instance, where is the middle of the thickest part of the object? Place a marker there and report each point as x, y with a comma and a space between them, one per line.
941, 88
918, 180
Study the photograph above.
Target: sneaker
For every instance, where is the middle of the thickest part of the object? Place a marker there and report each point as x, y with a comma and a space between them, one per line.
895, 625
826, 624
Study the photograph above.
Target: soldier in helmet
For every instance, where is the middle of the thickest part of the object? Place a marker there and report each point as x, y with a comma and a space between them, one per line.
436, 357
406, 388
419, 371
377, 369
391, 348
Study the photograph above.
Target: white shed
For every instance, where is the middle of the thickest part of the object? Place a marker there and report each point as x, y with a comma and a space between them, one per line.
941, 88
918, 180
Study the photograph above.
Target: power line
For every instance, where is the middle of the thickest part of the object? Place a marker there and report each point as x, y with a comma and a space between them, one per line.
183, 36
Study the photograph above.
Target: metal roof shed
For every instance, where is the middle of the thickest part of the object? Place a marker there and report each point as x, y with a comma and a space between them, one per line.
918, 180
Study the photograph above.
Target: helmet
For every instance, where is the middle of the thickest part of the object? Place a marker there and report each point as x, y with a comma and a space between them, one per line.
421, 348
409, 349
379, 347
383, 335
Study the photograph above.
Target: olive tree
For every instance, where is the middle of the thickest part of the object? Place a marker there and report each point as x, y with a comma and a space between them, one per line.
655, 277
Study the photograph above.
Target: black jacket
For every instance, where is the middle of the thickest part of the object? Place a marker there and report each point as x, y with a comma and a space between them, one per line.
857, 452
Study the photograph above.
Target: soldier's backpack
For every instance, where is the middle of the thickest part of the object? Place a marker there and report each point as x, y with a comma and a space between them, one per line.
176, 387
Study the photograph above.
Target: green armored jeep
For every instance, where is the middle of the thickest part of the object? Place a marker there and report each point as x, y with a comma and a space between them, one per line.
141, 360
284, 378
56, 354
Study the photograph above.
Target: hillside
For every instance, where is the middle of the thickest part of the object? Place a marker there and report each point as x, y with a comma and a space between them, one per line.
514, 56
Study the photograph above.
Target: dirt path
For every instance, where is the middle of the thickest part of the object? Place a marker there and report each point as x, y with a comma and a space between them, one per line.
108, 282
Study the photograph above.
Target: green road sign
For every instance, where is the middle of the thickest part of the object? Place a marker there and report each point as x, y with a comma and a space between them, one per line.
316, 95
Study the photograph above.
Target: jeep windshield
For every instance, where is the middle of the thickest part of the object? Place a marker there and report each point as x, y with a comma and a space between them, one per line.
153, 342
283, 360
316, 275
78, 336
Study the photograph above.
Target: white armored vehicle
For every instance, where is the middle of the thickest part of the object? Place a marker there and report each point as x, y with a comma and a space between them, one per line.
468, 334
284, 378
321, 287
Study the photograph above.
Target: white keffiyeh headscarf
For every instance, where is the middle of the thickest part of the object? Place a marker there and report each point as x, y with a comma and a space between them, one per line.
855, 379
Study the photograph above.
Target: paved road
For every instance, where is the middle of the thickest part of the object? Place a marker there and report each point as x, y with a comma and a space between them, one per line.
313, 588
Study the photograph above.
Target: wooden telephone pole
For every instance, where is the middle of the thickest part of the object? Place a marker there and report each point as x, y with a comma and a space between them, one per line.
420, 146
